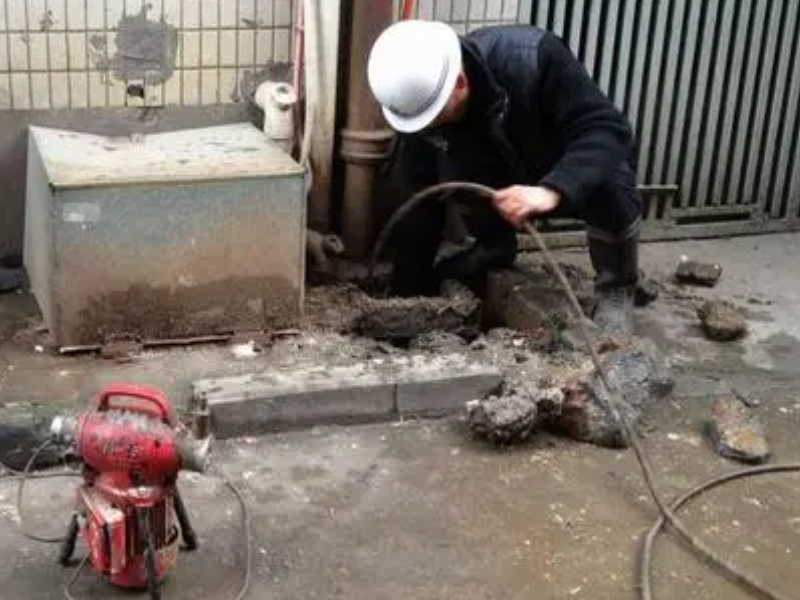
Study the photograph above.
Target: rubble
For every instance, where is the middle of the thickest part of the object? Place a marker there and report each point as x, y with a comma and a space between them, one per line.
698, 273
437, 342
638, 370
503, 419
571, 399
736, 432
722, 321
457, 310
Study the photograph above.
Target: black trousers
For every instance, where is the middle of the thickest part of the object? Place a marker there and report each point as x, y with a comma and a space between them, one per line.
416, 243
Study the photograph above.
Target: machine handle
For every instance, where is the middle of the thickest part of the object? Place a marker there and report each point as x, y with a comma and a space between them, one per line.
159, 405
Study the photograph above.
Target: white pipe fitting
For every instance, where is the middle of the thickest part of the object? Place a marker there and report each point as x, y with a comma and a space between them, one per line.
276, 99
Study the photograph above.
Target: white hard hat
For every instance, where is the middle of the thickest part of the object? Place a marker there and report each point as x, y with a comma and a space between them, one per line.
412, 70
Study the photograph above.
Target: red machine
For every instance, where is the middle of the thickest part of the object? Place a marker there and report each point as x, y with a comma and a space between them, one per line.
129, 507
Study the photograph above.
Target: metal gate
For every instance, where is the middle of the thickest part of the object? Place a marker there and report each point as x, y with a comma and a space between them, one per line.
711, 87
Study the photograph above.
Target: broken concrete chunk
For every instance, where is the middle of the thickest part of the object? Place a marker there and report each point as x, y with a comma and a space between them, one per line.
737, 432
502, 419
568, 396
722, 321
698, 273
638, 370
513, 413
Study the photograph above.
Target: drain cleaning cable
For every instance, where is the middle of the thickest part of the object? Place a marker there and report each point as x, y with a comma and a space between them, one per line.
612, 402
26, 474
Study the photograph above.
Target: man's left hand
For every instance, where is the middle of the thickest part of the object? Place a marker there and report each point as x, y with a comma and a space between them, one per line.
519, 203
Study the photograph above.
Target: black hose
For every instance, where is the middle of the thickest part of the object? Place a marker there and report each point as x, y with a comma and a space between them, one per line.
248, 567
645, 570
26, 474
68, 586
611, 403
435, 192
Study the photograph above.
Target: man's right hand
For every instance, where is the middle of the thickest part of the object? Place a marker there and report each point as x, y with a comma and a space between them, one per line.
519, 203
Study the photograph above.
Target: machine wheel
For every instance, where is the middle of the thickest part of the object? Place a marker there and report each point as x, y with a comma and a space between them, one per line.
149, 554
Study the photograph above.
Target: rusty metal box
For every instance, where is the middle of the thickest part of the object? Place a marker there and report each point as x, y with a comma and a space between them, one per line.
171, 235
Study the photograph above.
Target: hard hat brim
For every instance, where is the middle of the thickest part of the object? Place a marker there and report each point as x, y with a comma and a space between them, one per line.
405, 124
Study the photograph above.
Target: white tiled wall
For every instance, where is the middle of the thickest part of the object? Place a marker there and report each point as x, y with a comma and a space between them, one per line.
466, 15
49, 49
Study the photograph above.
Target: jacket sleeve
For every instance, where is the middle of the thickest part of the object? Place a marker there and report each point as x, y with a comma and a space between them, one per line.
594, 136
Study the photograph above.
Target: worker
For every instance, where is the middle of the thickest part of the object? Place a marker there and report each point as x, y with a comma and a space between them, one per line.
509, 107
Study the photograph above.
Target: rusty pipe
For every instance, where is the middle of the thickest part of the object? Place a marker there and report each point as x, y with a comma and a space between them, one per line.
365, 139
408, 9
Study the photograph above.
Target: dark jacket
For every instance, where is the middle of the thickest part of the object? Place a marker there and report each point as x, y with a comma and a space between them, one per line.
535, 117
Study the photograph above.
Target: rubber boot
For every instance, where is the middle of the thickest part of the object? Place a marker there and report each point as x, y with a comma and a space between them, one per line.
616, 264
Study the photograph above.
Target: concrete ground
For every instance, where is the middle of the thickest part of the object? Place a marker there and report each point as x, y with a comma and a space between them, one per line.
421, 510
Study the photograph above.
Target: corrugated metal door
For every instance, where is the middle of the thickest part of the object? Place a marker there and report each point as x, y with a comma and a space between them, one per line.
712, 90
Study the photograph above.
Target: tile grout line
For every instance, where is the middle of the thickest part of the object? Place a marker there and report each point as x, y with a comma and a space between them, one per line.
68, 56
8, 57
219, 50
48, 57
107, 79
28, 47
181, 81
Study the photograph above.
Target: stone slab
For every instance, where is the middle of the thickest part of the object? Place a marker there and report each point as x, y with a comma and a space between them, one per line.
430, 389
514, 301
376, 390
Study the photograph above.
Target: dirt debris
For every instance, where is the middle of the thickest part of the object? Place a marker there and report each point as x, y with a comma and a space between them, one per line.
438, 342
547, 384
457, 310
347, 308
736, 431
722, 321
333, 307
121, 350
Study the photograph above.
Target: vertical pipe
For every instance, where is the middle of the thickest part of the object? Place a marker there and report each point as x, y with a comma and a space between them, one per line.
408, 9
364, 140
321, 50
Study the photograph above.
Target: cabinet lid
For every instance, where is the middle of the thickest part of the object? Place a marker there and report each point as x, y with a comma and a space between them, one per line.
237, 151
